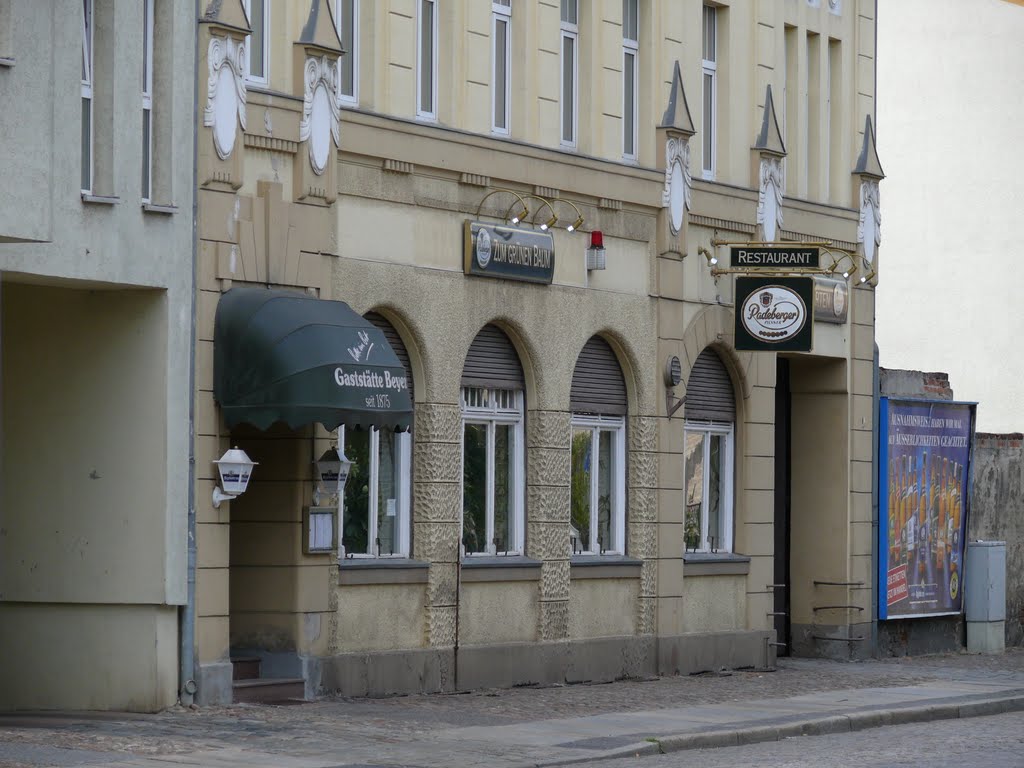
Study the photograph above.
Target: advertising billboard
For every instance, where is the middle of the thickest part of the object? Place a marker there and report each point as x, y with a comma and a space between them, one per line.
924, 498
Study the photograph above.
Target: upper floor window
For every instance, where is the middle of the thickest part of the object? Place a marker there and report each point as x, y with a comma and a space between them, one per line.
709, 64
87, 83
569, 86
501, 33
346, 16
426, 59
630, 76
257, 52
147, 99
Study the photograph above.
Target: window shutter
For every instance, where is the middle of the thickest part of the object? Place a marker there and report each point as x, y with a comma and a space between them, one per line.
709, 393
597, 382
395, 341
492, 361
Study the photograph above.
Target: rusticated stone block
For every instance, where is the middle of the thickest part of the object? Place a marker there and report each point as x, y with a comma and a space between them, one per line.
441, 589
437, 423
436, 542
438, 462
547, 466
645, 616
643, 433
441, 626
649, 578
643, 505
547, 429
642, 539
643, 470
436, 502
554, 620
554, 580
547, 541
548, 503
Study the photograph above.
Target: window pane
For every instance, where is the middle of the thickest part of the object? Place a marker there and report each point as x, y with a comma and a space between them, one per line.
582, 462
500, 72
504, 479
569, 11
629, 20
355, 534
693, 486
709, 33
474, 487
387, 492
708, 120
714, 505
568, 92
629, 101
347, 24
87, 145
256, 64
605, 468
145, 152
427, 57
86, 41
145, 44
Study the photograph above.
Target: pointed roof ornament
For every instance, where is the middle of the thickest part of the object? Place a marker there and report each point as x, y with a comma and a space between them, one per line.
229, 14
677, 114
770, 138
319, 30
868, 163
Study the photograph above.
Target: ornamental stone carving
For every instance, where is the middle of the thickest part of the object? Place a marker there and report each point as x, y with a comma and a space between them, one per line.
225, 92
769, 197
869, 228
678, 182
321, 113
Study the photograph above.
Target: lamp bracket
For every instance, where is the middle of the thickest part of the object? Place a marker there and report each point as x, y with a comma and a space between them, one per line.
672, 403
219, 496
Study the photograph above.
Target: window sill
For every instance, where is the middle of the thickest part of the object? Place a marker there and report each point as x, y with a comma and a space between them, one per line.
715, 564
157, 208
498, 568
604, 567
100, 199
6, 61
387, 570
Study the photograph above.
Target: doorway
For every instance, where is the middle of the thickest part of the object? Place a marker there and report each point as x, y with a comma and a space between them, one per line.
783, 497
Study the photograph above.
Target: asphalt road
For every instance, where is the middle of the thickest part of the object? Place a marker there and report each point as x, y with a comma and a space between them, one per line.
979, 742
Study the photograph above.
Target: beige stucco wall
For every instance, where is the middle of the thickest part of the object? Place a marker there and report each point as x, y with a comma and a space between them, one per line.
714, 603
603, 607
380, 617
498, 612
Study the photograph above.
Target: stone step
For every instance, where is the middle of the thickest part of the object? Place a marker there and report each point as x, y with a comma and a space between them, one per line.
245, 667
269, 690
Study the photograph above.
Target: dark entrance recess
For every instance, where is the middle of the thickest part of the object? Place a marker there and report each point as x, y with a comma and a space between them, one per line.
783, 494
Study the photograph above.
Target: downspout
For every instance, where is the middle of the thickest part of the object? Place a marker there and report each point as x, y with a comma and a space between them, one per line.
187, 655
875, 393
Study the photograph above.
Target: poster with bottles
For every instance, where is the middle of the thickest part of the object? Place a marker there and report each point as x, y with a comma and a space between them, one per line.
924, 497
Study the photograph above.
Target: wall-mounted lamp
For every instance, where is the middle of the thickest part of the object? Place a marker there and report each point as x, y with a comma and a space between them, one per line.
865, 277
596, 253
579, 216
515, 219
235, 469
836, 262
712, 259
332, 471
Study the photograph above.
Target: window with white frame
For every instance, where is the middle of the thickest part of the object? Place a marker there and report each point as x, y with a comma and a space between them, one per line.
598, 493
147, 99
709, 66
501, 33
426, 59
708, 486
493, 471
375, 505
570, 70
87, 83
346, 16
630, 76
257, 53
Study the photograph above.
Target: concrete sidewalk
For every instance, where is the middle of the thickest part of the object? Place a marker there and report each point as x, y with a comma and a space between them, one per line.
533, 727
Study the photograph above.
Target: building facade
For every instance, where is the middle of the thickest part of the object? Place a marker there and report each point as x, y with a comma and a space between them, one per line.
95, 350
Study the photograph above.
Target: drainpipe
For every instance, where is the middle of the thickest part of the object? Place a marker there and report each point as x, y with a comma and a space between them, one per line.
875, 393
187, 622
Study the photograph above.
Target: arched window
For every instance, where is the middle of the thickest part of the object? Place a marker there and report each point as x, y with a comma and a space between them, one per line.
598, 475
709, 455
493, 465
375, 508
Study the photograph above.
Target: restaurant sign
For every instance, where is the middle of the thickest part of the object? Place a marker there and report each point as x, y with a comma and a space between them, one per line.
776, 258
773, 314
509, 253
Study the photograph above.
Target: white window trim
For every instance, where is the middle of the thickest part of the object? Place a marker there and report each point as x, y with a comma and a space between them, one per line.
710, 67
570, 31
491, 417
617, 426
631, 47
351, 99
728, 473
147, 96
403, 460
265, 78
87, 83
500, 12
431, 112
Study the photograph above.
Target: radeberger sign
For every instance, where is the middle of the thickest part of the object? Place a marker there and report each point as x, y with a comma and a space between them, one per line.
509, 253
775, 258
774, 314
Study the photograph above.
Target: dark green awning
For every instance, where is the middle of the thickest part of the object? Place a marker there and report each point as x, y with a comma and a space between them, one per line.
284, 356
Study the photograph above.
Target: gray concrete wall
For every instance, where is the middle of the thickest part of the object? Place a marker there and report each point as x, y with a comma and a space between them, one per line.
997, 514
